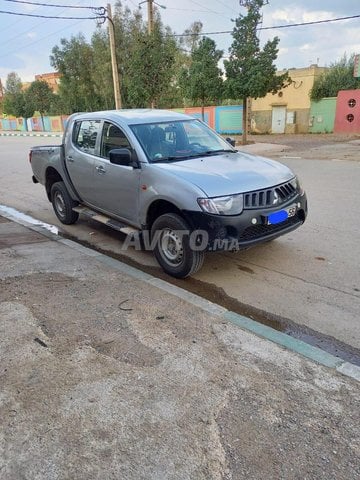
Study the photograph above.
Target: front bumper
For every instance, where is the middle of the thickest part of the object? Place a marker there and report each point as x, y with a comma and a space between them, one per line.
242, 231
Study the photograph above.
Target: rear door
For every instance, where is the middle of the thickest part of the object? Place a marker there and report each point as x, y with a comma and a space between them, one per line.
80, 157
116, 187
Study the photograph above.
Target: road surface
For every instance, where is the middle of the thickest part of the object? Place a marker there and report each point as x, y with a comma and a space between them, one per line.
310, 277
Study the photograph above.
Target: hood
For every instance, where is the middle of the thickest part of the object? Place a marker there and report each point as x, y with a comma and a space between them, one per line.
229, 173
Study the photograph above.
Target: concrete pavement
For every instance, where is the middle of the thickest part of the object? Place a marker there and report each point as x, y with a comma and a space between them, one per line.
107, 372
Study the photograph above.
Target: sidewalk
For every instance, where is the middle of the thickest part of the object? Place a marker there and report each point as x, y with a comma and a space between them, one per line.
109, 373
12, 133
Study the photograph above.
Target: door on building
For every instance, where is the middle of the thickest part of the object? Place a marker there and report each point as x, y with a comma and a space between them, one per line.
278, 119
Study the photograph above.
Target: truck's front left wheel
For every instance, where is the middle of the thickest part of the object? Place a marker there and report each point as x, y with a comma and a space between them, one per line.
173, 249
63, 204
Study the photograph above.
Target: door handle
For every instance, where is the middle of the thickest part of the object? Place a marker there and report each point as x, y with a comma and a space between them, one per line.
70, 159
100, 169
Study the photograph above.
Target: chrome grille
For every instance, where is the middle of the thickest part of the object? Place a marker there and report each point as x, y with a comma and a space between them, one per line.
269, 197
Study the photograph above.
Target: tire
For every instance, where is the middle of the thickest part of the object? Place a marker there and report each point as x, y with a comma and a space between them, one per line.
63, 204
172, 249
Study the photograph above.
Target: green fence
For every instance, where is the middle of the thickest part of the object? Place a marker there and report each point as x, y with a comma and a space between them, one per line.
322, 115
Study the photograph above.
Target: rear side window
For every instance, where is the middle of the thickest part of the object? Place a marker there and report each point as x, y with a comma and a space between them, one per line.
85, 135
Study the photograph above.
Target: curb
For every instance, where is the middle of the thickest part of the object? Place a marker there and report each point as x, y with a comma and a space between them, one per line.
6, 134
282, 339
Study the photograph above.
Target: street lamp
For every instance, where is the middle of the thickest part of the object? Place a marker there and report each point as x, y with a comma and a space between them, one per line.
151, 13
146, 1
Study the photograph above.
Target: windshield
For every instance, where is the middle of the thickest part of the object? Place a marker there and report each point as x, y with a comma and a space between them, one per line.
179, 140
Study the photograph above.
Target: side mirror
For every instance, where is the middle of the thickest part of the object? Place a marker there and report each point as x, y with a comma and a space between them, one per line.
122, 156
231, 141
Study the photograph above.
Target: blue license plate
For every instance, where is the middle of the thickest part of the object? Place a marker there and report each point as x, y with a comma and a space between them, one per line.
277, 217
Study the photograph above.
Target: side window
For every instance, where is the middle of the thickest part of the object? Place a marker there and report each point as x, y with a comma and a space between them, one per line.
85, 135
112, 137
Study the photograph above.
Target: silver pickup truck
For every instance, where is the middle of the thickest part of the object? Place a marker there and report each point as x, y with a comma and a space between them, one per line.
169, 182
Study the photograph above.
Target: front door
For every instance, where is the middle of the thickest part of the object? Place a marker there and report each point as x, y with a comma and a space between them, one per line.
278, 119
116, 187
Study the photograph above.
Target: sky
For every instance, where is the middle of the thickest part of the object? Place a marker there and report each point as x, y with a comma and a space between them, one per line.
26, 42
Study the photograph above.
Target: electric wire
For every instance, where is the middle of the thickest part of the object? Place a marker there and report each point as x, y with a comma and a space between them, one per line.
209, 9
192, 10
316, 22
35, 26
40, 39
51, 4
53, 16
227, 6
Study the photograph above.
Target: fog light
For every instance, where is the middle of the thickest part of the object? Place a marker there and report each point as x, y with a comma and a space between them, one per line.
254, 221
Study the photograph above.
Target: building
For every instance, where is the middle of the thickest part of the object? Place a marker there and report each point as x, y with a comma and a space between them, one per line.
287, 111
347, 116
52, 79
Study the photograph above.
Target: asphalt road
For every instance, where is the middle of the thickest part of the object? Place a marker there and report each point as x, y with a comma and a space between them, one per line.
310, 276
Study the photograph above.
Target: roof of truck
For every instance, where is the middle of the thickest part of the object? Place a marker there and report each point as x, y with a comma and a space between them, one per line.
136, 116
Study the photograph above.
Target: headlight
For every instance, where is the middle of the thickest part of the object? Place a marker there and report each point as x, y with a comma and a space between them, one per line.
229, 205
296, 183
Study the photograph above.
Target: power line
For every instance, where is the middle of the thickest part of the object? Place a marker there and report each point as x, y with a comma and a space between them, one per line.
38, 24
38, 40
50, 4
227, 6
311, 23
53, 16
192, 10
208, 9
270, 28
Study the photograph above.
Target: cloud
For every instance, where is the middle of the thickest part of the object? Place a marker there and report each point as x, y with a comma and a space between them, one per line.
298, 15
306, 47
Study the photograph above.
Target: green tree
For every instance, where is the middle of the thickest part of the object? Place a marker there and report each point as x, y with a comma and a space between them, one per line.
74, 59
250, 70
340, 76
202, 81
151, 68
13, 84
192, 36
14, 101
39, 97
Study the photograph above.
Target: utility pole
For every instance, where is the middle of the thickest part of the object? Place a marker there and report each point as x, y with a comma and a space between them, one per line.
115, 72
150, 16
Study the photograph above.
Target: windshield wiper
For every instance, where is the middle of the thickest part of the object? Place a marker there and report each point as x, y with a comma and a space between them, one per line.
175, 158
206, 153
222, 150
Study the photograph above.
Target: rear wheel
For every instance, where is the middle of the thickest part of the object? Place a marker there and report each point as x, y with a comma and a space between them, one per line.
63, 204
172, 249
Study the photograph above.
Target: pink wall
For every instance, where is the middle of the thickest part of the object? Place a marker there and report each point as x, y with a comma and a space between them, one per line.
347, 117
208, 111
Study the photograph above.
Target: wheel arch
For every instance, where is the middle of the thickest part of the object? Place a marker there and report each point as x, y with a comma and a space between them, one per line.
160, 207
51, 176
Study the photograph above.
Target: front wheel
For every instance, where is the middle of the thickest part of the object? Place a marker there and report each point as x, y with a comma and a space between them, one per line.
173, 249
63, 204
